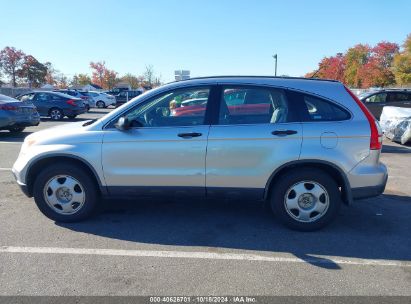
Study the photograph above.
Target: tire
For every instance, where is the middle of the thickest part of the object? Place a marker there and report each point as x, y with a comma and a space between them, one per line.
88, 108
16, 129
56, 114
71, 116
100, 104
306, 199
54, 201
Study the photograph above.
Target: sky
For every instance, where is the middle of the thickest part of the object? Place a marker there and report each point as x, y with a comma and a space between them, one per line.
208, 37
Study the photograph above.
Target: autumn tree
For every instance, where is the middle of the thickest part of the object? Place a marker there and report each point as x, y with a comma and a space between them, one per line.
11, 60
102, 76
355, 58
62, 81
402, 63
377, 71
84, 79
332, 67
132, 80
32, 71
51, 73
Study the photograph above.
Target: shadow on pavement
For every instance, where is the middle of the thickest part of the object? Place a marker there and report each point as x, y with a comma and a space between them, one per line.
13, 137
376, 228
396, 149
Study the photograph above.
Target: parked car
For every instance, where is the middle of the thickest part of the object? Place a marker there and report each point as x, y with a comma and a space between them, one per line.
100, 99
88, 101
15, 115
54, 104
309, 147
376, 101
126, 96
116, 91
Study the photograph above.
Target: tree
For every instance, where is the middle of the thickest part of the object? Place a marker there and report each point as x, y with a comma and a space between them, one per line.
102, 76
332, 67
62, 81
149, 75
11, 60
402, 63
33, 71
51, 73
132, 80
377, 71
355, 58
84, 79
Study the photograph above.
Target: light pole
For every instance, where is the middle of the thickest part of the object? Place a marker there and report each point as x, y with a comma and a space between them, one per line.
275, 57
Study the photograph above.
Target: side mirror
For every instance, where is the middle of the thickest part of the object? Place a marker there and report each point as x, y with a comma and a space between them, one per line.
123, 124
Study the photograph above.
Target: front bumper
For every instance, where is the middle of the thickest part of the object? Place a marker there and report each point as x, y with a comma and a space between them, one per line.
23, 187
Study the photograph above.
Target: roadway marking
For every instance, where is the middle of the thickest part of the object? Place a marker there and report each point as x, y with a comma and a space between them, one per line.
201, 255
5, 169
11, 142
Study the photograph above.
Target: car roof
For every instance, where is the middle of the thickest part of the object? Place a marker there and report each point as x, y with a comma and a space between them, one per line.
51, 92
6, 99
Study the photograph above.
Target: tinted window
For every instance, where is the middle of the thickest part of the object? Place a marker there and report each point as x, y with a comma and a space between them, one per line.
381, 97
174, 108
27, 97
251, 105
322, 110
400, 96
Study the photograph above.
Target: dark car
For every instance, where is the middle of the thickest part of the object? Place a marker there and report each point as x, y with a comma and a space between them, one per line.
15, 115
375, 101
126, 96
116, 91
54, 104
86, 99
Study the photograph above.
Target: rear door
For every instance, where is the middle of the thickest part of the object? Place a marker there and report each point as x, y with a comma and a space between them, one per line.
399, 99
376, 102
42, 103
254, 133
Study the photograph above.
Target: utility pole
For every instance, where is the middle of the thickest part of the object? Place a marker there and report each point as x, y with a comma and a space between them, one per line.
275, 58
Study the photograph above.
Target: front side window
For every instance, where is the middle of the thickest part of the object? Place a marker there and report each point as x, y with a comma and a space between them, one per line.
174, 108
253, 105
323, 110
381, 97
27, 97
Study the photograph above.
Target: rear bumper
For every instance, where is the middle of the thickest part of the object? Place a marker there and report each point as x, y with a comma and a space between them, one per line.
370, 191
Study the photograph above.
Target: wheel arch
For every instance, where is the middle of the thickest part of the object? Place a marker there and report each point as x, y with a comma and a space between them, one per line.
333, 170
45, 161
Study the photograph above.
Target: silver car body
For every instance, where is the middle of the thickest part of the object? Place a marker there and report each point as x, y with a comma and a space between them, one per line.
227, 160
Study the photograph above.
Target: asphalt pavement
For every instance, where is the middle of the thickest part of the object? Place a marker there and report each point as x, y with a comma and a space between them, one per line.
197, 247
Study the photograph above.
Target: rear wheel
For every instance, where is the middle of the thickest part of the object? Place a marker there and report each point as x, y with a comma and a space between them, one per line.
65, 193
100, 104
305, 199
56, 114
16, 129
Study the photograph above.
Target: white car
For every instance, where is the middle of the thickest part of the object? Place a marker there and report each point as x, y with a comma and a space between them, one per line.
100, 99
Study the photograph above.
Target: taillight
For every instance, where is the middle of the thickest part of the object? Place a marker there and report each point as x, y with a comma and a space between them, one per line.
71, 102
8, 108
376, 135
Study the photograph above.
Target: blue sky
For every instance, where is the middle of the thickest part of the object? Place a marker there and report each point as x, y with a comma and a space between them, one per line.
207, 37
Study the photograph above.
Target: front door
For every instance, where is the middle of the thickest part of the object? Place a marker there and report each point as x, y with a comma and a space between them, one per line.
256, 132
164, 150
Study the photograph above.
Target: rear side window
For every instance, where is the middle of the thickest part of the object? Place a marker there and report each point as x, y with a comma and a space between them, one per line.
253, 105
318, 109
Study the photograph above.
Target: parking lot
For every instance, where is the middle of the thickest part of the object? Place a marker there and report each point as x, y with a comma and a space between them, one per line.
204, 247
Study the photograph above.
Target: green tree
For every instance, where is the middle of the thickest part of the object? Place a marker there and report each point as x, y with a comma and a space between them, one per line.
402, 64
132, 80
355, 58
33, 71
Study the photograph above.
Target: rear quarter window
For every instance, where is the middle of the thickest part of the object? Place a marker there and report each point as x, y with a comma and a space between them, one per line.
317, 109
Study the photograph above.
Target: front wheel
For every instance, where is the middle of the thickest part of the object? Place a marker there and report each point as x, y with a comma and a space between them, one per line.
65, 193
305, 199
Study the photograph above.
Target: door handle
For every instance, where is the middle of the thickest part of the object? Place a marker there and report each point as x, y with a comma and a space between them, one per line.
189, 135
284, 132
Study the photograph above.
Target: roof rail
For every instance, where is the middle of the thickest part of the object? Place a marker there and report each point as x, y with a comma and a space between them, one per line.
255, 76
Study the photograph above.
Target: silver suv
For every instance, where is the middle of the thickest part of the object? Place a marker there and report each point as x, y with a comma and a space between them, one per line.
302, 145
